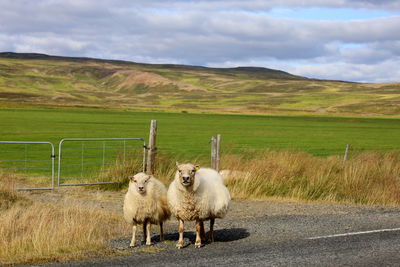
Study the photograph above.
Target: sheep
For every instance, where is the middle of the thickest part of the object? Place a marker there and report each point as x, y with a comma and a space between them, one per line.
146, 203
197, 194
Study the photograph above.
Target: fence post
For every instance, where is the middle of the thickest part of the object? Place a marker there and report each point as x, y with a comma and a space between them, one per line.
346, 152
217, 148
151, 155
213, 151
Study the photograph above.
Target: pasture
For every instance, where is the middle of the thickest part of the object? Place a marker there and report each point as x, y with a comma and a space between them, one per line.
188, 134
185, 137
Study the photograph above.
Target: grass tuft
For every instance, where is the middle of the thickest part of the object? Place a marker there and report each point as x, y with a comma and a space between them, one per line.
8, 196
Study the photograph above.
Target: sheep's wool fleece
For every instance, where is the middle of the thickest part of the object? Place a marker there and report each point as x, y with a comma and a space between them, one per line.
151, 206
207, 198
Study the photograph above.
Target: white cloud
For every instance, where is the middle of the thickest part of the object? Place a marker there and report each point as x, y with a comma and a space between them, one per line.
352, 72
213, 33
51, 45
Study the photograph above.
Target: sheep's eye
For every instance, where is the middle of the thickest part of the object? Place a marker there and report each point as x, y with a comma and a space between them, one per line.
193, 171
180, 171
135, 181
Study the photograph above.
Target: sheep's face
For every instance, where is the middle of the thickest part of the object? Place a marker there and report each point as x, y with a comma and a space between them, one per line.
140, 181
187, 173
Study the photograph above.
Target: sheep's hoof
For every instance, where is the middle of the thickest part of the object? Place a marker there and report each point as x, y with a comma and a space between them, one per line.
197, 245
149, 244
132, 245
179, 245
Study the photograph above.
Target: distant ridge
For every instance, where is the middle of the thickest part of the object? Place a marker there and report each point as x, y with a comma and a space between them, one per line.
272, 73
28, 79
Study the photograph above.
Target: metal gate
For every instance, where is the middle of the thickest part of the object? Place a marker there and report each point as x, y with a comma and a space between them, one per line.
90, 161
31, 166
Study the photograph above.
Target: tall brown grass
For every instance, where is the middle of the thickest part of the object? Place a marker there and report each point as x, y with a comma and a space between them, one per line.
32, 231
371, 178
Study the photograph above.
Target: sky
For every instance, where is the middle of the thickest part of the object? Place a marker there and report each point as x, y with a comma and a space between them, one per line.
351, 40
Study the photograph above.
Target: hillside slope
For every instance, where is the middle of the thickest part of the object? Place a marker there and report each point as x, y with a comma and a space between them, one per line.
51, 80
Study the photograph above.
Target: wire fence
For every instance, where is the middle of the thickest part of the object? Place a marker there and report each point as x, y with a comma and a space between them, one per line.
199, 154
318, 150
99, 161
80, 161
32, 162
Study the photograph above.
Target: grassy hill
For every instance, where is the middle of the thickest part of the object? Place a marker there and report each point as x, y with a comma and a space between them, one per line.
36, 79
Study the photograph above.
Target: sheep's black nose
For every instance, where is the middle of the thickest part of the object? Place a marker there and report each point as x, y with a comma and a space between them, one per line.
141, 187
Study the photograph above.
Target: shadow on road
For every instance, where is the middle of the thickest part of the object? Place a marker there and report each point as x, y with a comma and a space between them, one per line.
221, 235
228, 235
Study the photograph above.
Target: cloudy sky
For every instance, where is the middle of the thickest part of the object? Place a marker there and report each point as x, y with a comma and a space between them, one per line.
350, 40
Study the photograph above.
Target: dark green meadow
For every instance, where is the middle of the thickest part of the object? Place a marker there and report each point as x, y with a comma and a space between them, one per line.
188, 134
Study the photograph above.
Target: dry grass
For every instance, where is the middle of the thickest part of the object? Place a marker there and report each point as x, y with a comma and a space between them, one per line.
370, 178
32, 231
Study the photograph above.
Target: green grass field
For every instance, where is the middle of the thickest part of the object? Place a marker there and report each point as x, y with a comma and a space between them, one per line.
185, 137
181, 136
189, 134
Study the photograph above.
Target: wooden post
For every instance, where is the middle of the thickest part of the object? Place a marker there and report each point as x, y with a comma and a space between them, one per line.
152, 149
346, 152
217, 148
213, 151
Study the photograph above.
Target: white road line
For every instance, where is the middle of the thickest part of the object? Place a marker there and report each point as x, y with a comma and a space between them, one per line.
355, 233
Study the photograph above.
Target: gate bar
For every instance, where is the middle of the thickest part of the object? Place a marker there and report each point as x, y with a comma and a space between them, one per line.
93, 139
52, 161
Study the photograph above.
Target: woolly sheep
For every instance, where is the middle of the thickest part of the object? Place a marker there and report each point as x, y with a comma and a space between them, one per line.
197, 194
146, 203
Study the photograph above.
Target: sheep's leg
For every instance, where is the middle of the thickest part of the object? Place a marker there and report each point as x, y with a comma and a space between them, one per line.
181, 229
202, 232
144, 231
197, 244
161, 232
211, 233
133, 241
148, 235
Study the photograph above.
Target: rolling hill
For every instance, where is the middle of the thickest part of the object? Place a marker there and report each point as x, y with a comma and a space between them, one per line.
38, 79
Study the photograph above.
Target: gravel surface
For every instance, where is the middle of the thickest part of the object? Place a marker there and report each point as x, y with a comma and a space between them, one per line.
261, 233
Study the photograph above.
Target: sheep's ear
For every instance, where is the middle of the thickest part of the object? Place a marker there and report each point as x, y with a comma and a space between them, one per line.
131, 178
196, 167
177, 164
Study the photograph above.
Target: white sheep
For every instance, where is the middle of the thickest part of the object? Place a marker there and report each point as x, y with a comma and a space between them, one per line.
197, 194
146, 203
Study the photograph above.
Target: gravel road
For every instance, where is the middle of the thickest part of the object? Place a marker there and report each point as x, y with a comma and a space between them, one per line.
272, 233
